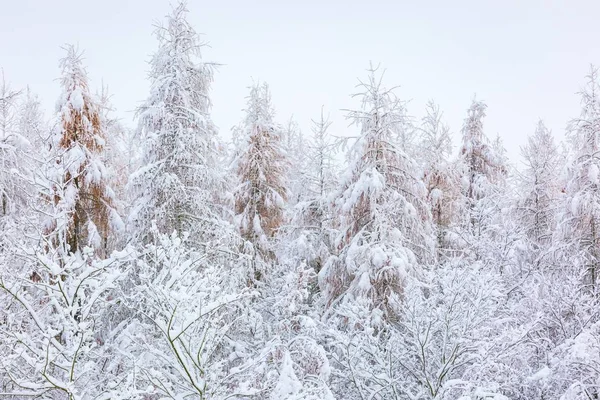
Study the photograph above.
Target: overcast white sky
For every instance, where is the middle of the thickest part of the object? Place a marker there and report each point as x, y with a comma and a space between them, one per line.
525, 58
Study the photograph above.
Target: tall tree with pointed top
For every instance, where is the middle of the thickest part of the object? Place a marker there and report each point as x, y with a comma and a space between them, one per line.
580, 221
482, 173
309, 231
261, 169
481, 163
540, 188
82, 201
175, 184
438, 172
10, 142
385, 223
31, 120
295, 146
319, 176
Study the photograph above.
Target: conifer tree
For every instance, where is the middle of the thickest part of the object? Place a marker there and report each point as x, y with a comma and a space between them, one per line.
385, 223
312, 215
83, 204
118, 153
261, 194
481, 162
439, 173
307, 237
540, 186
321, 165
176, 182
580, 221
295, 148
482, 172
58, 286
10, 143
411, 276
32, 126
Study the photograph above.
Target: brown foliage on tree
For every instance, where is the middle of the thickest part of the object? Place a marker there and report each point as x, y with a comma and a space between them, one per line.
261, 170
81, 195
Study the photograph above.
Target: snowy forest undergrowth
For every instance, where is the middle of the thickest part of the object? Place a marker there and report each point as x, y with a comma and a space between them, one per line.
163, 263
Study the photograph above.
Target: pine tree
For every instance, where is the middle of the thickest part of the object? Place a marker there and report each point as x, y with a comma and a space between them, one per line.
261, 194
82, 201
384, 221
176, 182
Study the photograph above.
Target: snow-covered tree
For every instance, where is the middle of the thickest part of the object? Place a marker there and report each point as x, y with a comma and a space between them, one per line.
10, 144
440, 175
295, 147
8, 110
119, 153
51, 315
573, 372
261, 272
32, 125
62, 274
181, 333
81, 200
482, 166
321, 163
580, 221
573, 319
482, 173
540, 186
261, 166
442, 333
175, 185
309, 231
385, 224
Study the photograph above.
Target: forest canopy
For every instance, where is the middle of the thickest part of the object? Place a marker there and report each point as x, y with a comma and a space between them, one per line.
165, 262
